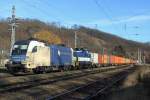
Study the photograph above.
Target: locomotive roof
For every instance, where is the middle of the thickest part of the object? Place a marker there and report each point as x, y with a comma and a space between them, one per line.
22, 42
27, 41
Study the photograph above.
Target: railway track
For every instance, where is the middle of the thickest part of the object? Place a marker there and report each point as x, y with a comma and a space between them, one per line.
5, 74
25, 85
93, 89
17, 75
14, 75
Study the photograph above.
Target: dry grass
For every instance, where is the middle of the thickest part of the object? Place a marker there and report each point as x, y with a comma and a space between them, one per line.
135, 87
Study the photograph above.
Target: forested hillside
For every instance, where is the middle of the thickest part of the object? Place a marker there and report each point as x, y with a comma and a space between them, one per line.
92, 39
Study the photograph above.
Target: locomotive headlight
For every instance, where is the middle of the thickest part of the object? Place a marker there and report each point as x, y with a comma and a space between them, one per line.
9, 62
24, 62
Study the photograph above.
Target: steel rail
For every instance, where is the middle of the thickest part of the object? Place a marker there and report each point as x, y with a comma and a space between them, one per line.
115, 78
29, 84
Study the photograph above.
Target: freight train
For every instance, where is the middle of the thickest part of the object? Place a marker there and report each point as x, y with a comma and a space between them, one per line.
38, 57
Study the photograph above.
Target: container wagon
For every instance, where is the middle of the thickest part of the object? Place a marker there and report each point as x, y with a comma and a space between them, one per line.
94, 59
60, 57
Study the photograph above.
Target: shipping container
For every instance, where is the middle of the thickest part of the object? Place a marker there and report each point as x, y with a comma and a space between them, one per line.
105, 59
119, 60
94, 58
116, 60
123, 60
100, 59
112, 59
127, 61
60, 55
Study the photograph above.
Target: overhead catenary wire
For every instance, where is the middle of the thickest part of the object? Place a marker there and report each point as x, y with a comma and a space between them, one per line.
53, 7
45, 12
60, 11
101, 8
98, 3
50, 5
39, 9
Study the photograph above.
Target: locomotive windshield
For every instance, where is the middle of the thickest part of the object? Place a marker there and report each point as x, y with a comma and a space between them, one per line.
20, 48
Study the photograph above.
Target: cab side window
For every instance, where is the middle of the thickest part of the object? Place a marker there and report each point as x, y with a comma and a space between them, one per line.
34, 49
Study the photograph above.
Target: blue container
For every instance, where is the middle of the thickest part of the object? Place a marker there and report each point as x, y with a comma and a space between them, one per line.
60, 55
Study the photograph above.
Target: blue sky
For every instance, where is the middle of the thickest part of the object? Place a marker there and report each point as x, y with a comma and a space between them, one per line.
126, 18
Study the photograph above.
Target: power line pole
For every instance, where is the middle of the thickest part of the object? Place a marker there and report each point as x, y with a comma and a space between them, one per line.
139, 56
144, 59
75, 39
13, 25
